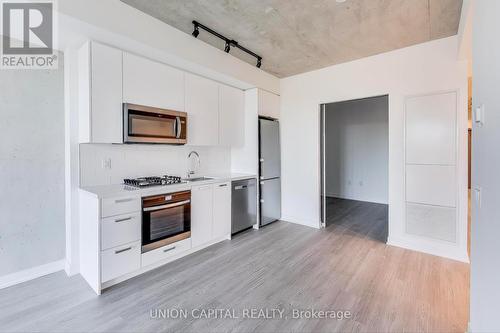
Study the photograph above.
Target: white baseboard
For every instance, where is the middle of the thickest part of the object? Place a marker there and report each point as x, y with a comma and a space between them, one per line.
293, 220
449, 252
70, 269
31, 273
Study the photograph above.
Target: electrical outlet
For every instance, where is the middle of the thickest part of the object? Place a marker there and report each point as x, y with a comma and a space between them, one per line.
106, 163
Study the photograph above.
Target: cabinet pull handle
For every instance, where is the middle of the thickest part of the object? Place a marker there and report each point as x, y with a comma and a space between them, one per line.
123, 250
223, 185
169, 249
123, 220
123, 200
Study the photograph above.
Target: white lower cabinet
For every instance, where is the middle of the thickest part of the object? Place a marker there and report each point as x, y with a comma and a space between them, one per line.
201, 214
222, 210
110, 230
210, 212
165, 252
120, 260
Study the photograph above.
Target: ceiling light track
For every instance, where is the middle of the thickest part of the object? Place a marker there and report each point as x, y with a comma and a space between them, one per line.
229, 42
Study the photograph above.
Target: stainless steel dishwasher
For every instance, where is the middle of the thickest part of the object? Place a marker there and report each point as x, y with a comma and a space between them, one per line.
243, 204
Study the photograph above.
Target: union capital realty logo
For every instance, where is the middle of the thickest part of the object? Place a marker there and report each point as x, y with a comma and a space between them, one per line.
28, 34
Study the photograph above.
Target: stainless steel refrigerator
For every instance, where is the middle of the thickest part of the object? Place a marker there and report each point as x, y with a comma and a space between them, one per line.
269, 170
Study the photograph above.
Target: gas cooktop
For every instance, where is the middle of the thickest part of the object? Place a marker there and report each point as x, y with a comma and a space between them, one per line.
153, 181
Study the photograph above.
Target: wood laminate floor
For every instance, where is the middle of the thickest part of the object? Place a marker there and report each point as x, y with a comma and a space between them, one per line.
366, 219
282, 266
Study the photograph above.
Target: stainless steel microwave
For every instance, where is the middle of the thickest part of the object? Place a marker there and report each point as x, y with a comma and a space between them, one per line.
145, 124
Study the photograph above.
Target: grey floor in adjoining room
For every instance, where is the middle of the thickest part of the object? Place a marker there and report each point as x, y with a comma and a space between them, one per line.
283, 265
364, 218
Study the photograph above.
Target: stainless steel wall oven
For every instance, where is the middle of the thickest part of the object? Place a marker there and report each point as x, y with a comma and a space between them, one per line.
166, 219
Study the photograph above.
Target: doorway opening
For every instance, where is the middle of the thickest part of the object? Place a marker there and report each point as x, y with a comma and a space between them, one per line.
354, 166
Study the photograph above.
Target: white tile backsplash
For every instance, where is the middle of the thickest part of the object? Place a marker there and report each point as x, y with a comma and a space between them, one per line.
130, 161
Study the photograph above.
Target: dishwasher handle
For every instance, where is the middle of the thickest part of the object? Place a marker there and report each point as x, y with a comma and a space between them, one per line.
240, 187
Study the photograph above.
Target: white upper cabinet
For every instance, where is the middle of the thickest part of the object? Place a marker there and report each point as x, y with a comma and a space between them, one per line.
150, 83
231, 116
100, 90
109, 77
269, 104
202, 106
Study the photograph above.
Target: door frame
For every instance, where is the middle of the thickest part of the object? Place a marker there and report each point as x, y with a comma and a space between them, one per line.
322, 159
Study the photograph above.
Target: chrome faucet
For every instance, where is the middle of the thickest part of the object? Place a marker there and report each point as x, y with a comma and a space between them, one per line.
197, 168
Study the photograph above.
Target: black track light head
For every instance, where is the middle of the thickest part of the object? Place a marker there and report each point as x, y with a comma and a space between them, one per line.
228, 42
196, 31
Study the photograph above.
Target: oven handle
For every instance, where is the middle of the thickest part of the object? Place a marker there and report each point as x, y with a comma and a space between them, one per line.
175, 204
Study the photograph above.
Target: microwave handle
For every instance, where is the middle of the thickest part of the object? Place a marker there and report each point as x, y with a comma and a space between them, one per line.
178, 127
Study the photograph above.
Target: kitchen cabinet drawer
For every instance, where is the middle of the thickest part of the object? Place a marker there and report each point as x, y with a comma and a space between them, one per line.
120, 260
118, 206
165, 252
120, 229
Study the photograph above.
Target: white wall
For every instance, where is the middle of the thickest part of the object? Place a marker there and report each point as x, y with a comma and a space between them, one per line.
132, 161
420, 69
31, 169
485, 244
357, 150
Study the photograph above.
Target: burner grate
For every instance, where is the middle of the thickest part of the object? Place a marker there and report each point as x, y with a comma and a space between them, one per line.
153, 181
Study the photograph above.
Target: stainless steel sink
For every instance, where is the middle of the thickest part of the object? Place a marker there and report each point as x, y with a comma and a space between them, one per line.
198, 179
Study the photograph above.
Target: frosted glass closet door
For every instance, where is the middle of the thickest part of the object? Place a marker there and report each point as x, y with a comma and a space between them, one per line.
431, 148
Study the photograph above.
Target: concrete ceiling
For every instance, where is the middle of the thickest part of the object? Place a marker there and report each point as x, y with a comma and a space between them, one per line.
296, 36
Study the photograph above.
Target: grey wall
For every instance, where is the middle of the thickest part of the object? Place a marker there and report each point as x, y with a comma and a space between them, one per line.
357, 152
32, 228
485, 233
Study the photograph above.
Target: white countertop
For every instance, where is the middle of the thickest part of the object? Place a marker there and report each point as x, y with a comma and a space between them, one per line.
121, 190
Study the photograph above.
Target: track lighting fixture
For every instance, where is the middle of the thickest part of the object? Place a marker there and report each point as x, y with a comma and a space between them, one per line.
229, 42
196, 31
